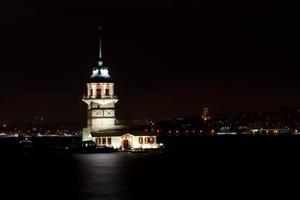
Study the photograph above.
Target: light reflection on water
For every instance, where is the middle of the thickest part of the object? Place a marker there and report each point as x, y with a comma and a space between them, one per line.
113, 175
102, 176
152, 175
78, 176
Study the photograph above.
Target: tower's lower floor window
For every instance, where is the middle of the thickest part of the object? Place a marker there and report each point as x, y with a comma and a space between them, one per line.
98, 141
103, 141
109, 141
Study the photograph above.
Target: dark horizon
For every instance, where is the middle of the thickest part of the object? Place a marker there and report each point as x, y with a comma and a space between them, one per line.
167, 58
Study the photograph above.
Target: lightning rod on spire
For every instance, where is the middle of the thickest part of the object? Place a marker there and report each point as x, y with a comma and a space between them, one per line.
100, 62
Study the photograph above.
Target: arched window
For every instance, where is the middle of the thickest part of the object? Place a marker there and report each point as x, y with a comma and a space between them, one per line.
141, 140
98, 92
104, 141
151, 140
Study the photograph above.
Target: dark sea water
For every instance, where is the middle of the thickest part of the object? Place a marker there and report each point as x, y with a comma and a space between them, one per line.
204, 170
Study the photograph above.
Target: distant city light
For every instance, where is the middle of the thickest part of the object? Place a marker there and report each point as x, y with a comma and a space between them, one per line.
226, 133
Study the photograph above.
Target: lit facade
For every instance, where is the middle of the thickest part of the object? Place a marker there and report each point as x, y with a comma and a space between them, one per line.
102, 127
125, 141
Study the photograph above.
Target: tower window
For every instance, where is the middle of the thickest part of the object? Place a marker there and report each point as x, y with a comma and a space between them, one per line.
109, 141
98, 92
106, 92
91, 92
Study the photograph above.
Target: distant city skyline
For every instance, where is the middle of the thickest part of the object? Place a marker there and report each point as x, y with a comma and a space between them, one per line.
167, 58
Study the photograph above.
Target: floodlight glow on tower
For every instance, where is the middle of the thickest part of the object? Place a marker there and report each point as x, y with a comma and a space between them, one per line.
100, 99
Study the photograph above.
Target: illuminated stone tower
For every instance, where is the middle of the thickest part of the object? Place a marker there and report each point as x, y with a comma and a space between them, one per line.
100, 100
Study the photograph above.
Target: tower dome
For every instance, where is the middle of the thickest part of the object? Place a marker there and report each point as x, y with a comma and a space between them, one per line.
100, 75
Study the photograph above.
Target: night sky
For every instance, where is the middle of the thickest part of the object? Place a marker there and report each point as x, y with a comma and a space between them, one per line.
167, 58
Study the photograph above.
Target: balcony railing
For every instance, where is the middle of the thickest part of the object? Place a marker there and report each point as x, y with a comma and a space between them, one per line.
100, 97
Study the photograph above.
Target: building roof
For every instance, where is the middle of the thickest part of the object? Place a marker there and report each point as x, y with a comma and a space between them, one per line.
136, 131
116, 134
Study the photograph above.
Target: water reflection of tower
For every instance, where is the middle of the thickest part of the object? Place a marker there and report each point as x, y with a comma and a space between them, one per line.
205, 114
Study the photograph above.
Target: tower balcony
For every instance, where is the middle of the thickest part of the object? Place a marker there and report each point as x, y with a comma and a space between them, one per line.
100, 97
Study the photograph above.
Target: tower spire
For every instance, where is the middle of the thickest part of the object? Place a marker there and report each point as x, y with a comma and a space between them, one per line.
100, 62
